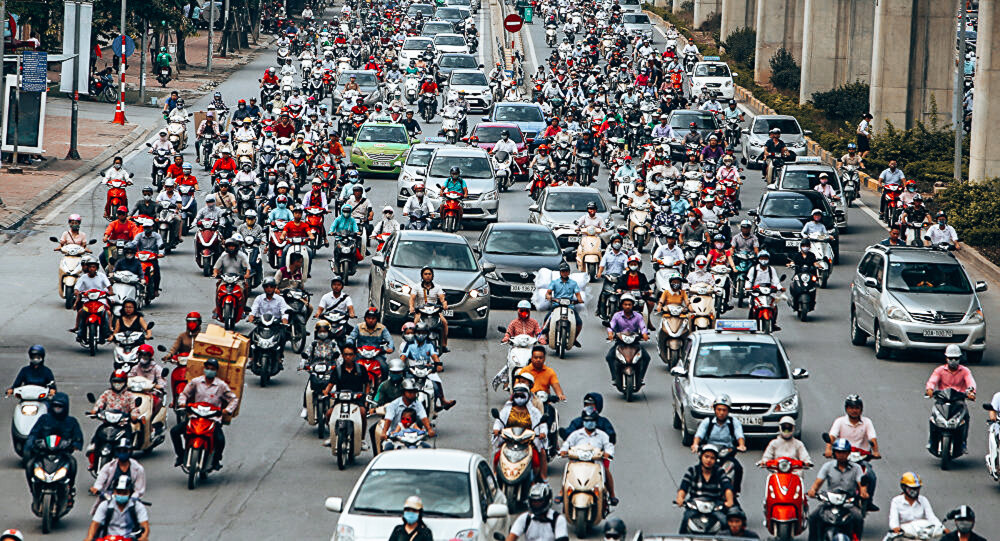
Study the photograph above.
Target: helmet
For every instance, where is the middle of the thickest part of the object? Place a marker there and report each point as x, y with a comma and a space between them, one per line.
736, 512
719, 237
963, 512
763, 254
74, 218
614, 527
563, 266
722, 400
372, 311
844, 446
786, 420
910, 479
674, 276
852, 146
147, 188
269, 282
396, 365
119, 375
853, 400
322, 325
524, 305
418, 186
627, 297
701, 261
708, 447
775, 131
193, 316
36, 351
455, 170
918, 197
540, 497
146, 349
952, 351
634, 259
817, 211
250, 213
59, 401
89, 260
122, 210
409, 385
11, 534
591, 205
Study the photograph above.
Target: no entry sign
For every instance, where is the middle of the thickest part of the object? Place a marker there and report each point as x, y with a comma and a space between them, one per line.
513, 22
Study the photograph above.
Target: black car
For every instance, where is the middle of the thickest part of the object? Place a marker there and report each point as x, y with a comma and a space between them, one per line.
454, 15
781, 215
449, 62
427, 10
680, 120
518, 250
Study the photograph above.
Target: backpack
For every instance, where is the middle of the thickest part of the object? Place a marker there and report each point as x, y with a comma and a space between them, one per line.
109, 512
729, 424
552, 523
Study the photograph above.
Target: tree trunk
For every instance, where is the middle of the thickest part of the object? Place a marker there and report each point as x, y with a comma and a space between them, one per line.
181, 57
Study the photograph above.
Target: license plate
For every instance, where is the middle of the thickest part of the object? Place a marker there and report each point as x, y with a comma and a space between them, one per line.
522, 288
467, 204
573, 239
750, 419
938, 333
382, 164
792, 243
448, 313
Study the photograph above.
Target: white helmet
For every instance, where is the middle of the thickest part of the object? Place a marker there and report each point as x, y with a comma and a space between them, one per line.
701, 262
524, 305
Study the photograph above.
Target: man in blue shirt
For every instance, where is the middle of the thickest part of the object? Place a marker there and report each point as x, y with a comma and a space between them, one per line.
723, 431
626, 320
565, 288
614, 259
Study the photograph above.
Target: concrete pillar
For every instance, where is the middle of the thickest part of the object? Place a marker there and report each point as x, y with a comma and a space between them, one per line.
677, 6
779, 24
737, 14
703, 9
836, 44
913, 61
984, 153
661, 3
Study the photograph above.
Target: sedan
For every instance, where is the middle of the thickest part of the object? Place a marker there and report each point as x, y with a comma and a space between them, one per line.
453, 14
451, 43
426, 10
781, 215
476, 88
459, 492
483, 202
488, 134
449, 62
367, 83
396, 273
680, 120
435, 27
560, 206
804, 175
414, 169
638, 24
517, 250
756, 136
750, 367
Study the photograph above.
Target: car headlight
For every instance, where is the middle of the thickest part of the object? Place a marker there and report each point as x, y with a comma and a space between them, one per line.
482, 291
976, 316
768, 232
729, 84
406, 178
701, 403
345, 533
467, 535
789, 404
490, 196
356, 152
400, 287
897, 313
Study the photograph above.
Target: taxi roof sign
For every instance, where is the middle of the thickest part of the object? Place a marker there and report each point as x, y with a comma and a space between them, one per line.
808, 159
433, 140
711, 58
736, 325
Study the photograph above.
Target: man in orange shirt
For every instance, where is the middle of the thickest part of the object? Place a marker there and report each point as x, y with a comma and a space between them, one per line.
120, 229
545, 377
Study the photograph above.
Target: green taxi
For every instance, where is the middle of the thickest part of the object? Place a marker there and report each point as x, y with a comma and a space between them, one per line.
380, 146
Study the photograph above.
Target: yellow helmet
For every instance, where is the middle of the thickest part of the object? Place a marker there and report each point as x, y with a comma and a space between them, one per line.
910, 480
415, 503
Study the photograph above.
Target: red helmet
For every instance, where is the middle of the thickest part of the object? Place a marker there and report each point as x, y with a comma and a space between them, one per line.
122, 210
119, 375
241, 102
193, 320
146, 349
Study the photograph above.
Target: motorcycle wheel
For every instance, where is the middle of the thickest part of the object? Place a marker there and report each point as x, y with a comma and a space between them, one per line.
344, 270
92, 343
823, 280
946, 454
784, 531
194, 468
344, 446
298, 339
511, 491
265, 373
206, 268
803, 313
629, 387
228, 318
640, 242
321, 427
110, 94
48, 516
561, 343
766, 326
592, 271
69, 297
580, 525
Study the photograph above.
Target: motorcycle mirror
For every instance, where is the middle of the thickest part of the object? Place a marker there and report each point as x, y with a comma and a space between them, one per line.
752, 212
91, 398
495, 413
501, 328
138, 401
826, 437
498, 536
150, 325
605, 323
533, 208
378, 260
92, 241
53, 239
161, 347
980, 286
164, 372
782, 279
130, 175
149, 145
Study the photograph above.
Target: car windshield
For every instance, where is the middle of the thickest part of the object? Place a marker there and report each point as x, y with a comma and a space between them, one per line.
704, 122
928, 278
572, 201
521, 242
442, 256
515, 113
788, 126
417, 44
477, 166
739, 360
492, 134
436, 28
459, 61
426, 9
801, 179
363, 79
788, 207
420, 157
441, 39
383, 134
469, 78
448, 13
445, 493
635, 18
711, 70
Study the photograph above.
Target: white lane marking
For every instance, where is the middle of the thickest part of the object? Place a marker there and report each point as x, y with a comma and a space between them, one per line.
656, 26
532, 56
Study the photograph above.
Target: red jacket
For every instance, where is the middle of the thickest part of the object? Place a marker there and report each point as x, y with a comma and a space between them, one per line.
268, 78
222, 164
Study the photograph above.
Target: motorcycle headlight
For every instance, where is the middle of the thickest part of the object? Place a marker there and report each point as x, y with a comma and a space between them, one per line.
59, 474
399, 287
490, 196
482, 291
344, 533
39, 473
29, 409
897, 313
789, 404
701, 403
976, 316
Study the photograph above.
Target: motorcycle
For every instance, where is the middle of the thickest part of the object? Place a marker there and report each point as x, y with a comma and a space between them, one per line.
608, 302
585, 501
419, 221
189, 210
412, 87
32, 403
785, 500
743, 261
410, 438
550, 35
428, 107
949, 418
345, 256
703, 312
820, 247
201, 421
451, 212
314, 217
124, 287
585, 168
419, 370
503, 164
230, 300
249, 248
708, 516
298, 245
265, 348
345, 428
639, 220
921, 529
94, 308
163, 76
914, 233
835, 513
103, 86
177, 134
208, 245
992, 446
518, 357
298, 315
851, 181
70, 270
674, 330
117, 197
276, 245
538, 182
161, 161
115, 426
449, 128
151, 429
320, 369
803, 291
762, 306
51, 496
513, 463
588, 253
562, 327
127, 349
628, 355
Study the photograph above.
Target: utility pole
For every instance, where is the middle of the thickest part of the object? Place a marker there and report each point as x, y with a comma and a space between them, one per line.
211, 31
120, 110
142, 60
225, 27
73, 153
3, 44
957, 113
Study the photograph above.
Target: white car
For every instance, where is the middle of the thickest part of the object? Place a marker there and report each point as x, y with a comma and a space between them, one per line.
476, 87
715, 76
451, 43
413, 47
415, 167
460, 495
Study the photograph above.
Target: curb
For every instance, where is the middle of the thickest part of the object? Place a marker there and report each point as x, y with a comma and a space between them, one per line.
20, 214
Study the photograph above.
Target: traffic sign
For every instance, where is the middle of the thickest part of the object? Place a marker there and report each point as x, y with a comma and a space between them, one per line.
513, 22
116, 46
34, 66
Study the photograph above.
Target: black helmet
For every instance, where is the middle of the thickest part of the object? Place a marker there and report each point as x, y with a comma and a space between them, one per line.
269, 282
539, 497
591, 205
123, 446
563, 266
719, 237
614, 528
504, 133
372, 311
853, 400
736, 512
36, 351
59, 406
455, 170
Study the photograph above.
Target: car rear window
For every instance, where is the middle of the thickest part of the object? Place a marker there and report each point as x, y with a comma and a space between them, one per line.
419, 157
704, 122
491, 134
801, 179
461, 61
635, 18
518, 113
788, 126
470, 166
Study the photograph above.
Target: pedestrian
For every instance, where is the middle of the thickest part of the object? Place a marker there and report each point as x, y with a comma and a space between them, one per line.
864, 135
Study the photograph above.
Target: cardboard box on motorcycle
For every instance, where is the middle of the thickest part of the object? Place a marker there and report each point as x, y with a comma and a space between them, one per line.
230, 349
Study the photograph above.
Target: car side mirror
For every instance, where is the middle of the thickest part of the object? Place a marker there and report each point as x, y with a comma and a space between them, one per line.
53, 239
422, 171
745, 131
807, 132
980, 287
397, 163
161, 347
800, 373
495, 413
752, 212
734, 74
568, 252
489, 267
678, 371
533, 208
378, 260
871, 282
334, 504
496, 510
485, 119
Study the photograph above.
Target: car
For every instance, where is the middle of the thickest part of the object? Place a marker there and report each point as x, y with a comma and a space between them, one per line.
637, 24
527, 116
483, 202
714, 76
451, 43
426, 10
680, 120
781, 215
413, 47
560, 206
415, 167
454, 15
434, 27
461, 497
804, 174
379, 147
367, 84
396, 272
630, 5
449, 62
753, 138
477, 89
751, 367
489, 133
910, 298
467, 4
517, 250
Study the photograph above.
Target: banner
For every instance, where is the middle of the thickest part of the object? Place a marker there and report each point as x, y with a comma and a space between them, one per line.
70, 31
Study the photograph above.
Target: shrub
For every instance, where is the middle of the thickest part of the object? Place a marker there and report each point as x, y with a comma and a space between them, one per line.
846, 102
712, 23
785, 72
741, 45
974, 211
687, 6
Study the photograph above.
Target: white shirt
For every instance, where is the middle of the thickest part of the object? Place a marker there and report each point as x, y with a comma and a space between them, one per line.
669, 255
162, 143
860, 435
275, 305
791, 448
99, 281
508, 146
174, 198
413, 204
540, 530
939, 235
178, 115
597, 439
339, 304
901, 512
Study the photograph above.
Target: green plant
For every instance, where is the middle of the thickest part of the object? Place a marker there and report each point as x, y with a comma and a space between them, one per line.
688, 6
974, 211
785, 72
846, 102
712, 23
741, 45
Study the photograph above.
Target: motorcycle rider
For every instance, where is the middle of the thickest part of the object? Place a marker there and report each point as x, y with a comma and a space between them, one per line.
56, 422
764, 274
674, 294
269, 303
372, 333
392, 387
178, 113
825, 188
150, 241
232, 260
280, 211
520, 411
416, 346
118, 397
635, 282
429, 87
566, 288
185, 178
700, 274
736, 524
388, 223
337, 300
859, 432
122, 515
943, 233
212, 390
815, 225
417, 202
147, 368
121, 228
128, 262
705, 480
594, 402
540, 522
413, 527
429, 292
91, 279
724, 431
786, 445
843, 475
694, 228
663, 129
615, 258
965, 520
889, 177
185, 340
910, 505
524, 324
35, 373
145, 206
73, 235
851, 158
594, 437
411, 124
123, 466
745, 241
351, 376
506, 144
627, 320
952, 375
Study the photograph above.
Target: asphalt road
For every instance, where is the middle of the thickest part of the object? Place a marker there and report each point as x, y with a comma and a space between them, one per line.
277, 475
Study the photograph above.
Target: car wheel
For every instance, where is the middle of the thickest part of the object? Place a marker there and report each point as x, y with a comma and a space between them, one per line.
479, 330
687, 438
858, 336
677, 421
881, 352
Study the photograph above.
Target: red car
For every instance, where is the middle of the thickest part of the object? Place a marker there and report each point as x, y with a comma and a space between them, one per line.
489, 133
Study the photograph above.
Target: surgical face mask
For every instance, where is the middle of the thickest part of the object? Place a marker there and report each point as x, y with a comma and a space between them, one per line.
719, 245
590, 425
74, 227
118, 386
941, 223
118, 166
523, 314
964, 525
633, 267
35, 361
420, 337
520, 400
410, 517
121, 499
953, 363
147, 197
764, 262
912, 493
322, 335
804, 248
675, 285
144, 361
693, 219
210, 373
282, 205
616, 245
409, 337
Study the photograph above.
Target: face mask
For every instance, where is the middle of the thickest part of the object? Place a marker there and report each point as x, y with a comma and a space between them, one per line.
692, 219
764, 262
282, 205
616, 245
719, 245
59, 412
523, 314
804, 249
144, 361
147, 197
121, 499
118, 386
913, 493
118, 166
963, 526
408, 337
590, 425
410, 517
941, 223
74, 228
953, 364
34, 361
421, 338
633, 267
520, 400
209, 373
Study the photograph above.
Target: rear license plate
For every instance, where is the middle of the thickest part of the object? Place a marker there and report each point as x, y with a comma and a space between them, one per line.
792, 243
750, 419
522, 288
938, 333
573, 239
448, 313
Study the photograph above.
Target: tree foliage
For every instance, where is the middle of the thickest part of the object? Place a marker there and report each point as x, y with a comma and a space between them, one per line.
974, 211
846, 102
741, 45
785, 73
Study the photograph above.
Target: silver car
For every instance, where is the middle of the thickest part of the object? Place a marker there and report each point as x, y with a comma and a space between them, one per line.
804, 175
477, 88
396, 273
910, 298
637, 24
476, 169
367, 85
415, 168
752, 368
560, 206
754, 138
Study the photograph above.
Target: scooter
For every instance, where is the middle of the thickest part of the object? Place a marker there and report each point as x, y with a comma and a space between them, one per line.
177, 134
514, 463
743, 261
208, 245
51, 496
763, 307
230, 300
820, 247
298, 315
914, 233
628, 355
276, 245
117, 196
449, 128
702, 298
835, 514
32, 403
851, 181
503, 164
419, 221
785, 498
152, 427
992, 446
298, 245
451, 212
345, 428
95, 309
431, 312
608, 302
265, 348
588, 253
70, 270
585, 168
161, 161
803, 291
201, 421
127, 349
674, 330
708, 516
115, 425
585, 500
320, 369
345, 256
419, 370
949, 418
639, 219
314, 217
518, 357
562, 327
